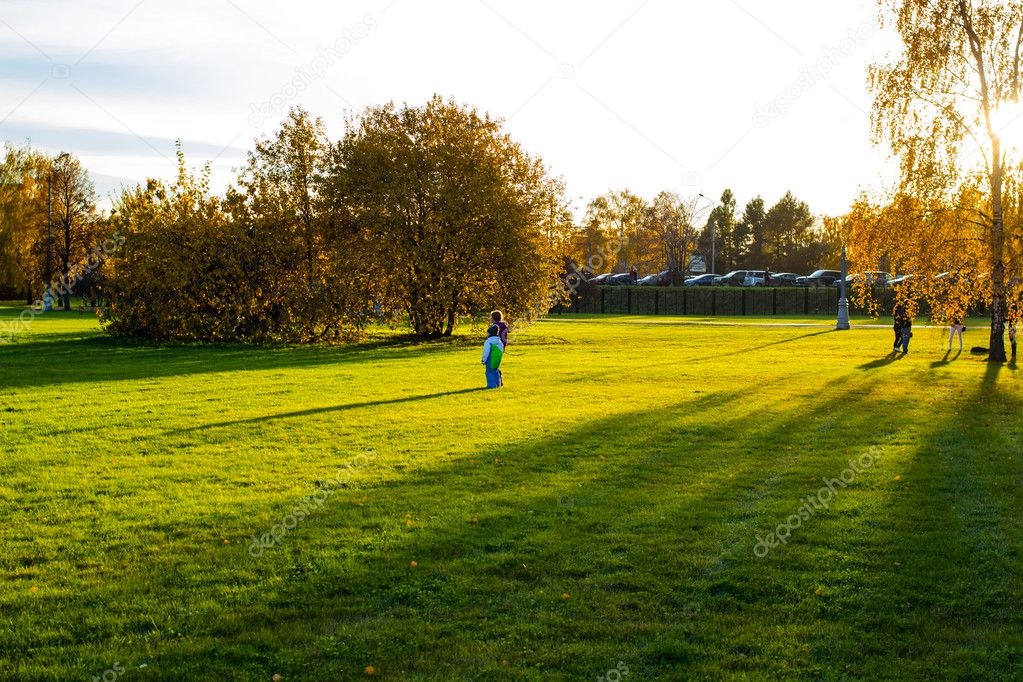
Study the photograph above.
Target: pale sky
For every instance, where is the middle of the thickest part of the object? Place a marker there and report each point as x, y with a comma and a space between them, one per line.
643, 94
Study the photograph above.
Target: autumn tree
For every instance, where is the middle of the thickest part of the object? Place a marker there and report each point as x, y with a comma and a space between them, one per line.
619, 216
74, 216
940, 104
671, 220
279, 180
196, 266
179, 273
309, 278
449, 215
589, 247
941, 248
23, 173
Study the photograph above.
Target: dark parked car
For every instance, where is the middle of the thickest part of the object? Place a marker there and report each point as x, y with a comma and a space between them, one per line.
701, 280
624, 279
735, 278
661, 279
599, 279
877, 279
819, 278
783, 279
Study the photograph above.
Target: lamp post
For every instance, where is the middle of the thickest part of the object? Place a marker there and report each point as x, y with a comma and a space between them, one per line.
714, 249
843, 301
713, 238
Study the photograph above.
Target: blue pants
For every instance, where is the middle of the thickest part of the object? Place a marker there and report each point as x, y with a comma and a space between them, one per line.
907, 334
493, 378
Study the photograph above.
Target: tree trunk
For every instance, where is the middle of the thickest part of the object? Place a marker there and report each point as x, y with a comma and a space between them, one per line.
679, 278
452, 318
996, 348
996, 242
452, 313
996, 352
426, 321
66, 256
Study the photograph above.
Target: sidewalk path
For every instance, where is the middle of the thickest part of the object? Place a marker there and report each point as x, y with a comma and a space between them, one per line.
712, 323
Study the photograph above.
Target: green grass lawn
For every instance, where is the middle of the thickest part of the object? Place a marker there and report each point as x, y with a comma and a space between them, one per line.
600, 513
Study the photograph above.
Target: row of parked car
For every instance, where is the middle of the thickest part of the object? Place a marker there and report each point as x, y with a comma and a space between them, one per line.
760, 278
736, 278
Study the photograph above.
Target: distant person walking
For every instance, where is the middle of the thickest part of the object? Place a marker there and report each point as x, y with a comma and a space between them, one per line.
896, 322
1012, 337
956, 328
493, 352
903, 323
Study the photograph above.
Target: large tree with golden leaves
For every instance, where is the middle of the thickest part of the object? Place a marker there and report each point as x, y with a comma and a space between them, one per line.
938, 103
447, 213
23, 174
618, 219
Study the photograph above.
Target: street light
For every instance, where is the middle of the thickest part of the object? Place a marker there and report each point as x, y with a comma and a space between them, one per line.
713, 239
843, 301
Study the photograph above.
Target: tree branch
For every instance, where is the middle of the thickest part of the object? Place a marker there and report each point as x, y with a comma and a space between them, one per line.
1015, 64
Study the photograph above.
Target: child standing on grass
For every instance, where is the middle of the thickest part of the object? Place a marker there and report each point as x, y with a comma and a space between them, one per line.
493, 352
497, 317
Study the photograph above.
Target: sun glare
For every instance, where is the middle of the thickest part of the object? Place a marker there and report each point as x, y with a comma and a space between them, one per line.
1008, 123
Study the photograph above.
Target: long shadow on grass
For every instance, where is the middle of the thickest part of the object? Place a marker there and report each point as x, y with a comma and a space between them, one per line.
946, 359
939, 595
102, 358
881, 362
324, 410
647, 521
951, 546
742, 351
349, 535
